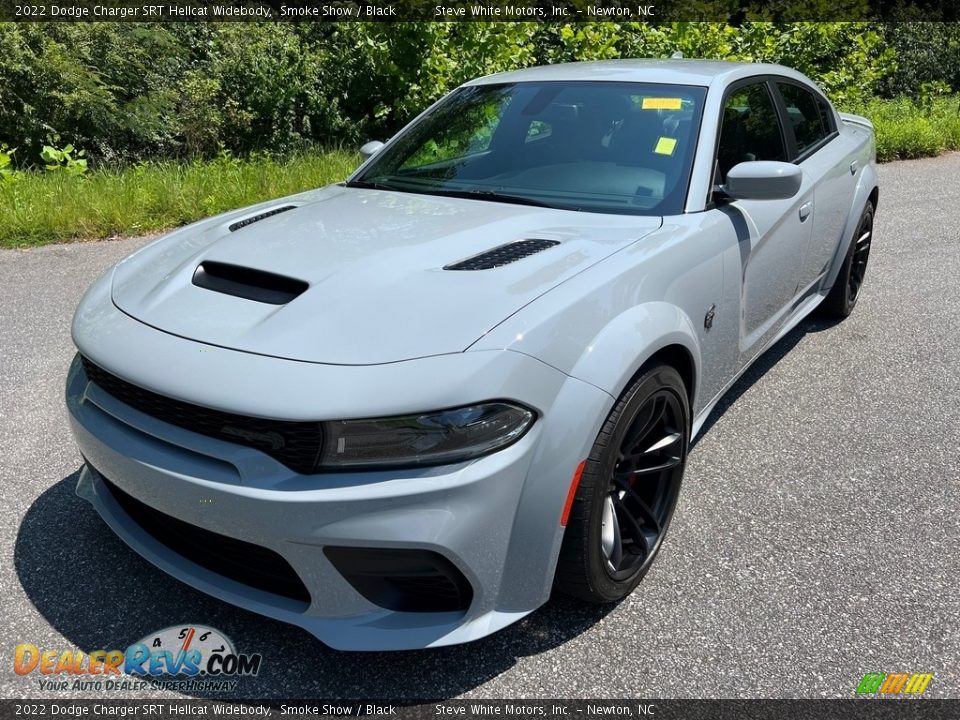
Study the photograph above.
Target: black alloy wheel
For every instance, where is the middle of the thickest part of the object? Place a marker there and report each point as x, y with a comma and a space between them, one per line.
628, 490
643, 486
861, 253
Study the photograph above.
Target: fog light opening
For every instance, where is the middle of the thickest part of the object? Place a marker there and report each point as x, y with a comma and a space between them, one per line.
403, 580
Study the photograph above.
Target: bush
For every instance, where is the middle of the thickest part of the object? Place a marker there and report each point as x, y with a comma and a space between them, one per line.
906, 128
43, 207
926, 52
7, 173
388, 73
127, 92
847, 59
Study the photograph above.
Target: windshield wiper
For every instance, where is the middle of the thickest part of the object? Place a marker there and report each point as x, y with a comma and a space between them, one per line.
371, 185
478, 194
473, 194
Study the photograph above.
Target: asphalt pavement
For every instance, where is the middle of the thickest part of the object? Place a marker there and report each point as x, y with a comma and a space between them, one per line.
817, 535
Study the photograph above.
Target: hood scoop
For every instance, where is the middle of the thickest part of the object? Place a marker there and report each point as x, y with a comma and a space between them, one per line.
240, 224
361, 273
243, 282
503, 255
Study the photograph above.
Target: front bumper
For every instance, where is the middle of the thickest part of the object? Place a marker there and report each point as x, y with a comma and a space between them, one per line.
496, 519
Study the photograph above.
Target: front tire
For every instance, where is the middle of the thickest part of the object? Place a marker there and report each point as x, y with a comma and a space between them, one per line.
845, 292
628, 490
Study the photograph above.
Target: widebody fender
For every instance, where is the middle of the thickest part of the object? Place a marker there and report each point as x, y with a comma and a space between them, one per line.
865, 185
627, 342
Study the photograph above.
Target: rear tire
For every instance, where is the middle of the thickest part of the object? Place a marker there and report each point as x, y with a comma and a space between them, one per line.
845, 292
628, 490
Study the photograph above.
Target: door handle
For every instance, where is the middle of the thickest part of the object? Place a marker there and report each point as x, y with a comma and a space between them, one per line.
805, 210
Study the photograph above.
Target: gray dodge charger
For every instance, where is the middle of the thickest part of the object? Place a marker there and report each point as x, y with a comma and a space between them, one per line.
401, 410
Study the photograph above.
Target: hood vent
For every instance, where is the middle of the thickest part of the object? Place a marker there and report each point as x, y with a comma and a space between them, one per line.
503, 255
247, 283
257, 218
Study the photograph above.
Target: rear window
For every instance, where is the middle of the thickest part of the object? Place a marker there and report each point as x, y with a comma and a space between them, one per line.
805, 114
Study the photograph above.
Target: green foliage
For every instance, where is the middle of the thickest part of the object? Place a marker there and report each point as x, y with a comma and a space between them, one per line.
390, 72
906, 128
926, 52
847, 59
64, 159
608, 40
129, 91
7, 173
239, 94
151, 196
929, 92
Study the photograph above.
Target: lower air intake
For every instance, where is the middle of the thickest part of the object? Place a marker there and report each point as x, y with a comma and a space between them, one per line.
237, 560
403, 580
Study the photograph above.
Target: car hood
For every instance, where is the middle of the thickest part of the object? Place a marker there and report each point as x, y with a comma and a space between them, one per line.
372, 261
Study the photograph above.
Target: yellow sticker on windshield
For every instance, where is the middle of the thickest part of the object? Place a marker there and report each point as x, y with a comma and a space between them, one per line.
665, 146
661, 103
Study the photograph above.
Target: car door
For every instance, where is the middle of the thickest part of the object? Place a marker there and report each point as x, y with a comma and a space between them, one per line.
772, 234
829, 160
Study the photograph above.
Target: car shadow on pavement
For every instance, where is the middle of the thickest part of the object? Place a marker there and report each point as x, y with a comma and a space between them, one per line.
99, 594
761, 366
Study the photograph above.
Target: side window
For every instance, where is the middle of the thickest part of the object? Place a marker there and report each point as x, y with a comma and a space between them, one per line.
805, 115
750, 129
826, 115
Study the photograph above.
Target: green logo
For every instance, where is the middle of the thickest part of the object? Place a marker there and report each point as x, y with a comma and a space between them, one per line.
894, 683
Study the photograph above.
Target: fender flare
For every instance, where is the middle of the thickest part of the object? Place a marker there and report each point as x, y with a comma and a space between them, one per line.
598, 377
627, 342
865, 186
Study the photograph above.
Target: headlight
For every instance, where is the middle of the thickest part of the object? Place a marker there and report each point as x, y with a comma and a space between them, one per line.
437, 438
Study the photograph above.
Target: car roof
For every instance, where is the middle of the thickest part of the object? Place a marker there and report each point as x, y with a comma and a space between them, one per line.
705, 73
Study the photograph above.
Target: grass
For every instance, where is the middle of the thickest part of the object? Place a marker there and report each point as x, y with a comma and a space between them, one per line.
906, 129
40, 208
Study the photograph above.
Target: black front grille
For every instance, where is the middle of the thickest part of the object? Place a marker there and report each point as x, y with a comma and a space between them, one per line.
503, 255
237, 560
295, 444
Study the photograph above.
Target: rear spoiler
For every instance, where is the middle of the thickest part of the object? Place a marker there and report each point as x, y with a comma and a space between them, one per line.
851, 119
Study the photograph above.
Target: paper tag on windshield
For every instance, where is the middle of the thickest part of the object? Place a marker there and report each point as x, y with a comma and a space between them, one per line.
661, 103
665, 146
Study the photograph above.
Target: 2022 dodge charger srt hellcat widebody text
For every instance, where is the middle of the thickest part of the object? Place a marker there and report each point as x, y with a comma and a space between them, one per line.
400, 410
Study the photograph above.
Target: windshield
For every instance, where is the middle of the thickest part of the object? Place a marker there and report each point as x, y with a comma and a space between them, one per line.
591, 146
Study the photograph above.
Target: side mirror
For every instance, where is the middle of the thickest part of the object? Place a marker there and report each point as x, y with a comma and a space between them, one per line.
370, 149
763, 180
